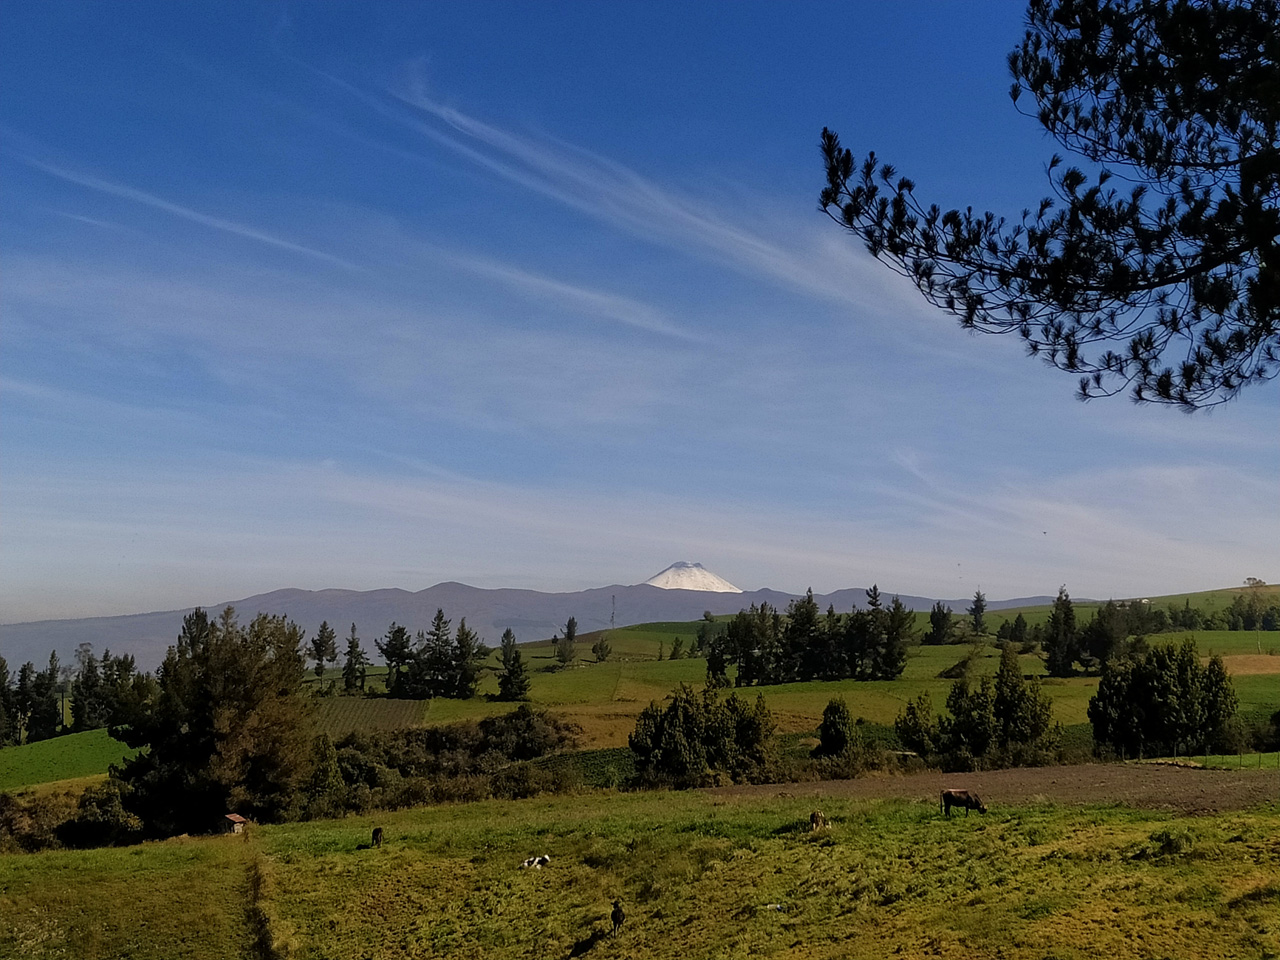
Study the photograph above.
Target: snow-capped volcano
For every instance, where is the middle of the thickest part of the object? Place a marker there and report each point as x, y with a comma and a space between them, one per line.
691, 576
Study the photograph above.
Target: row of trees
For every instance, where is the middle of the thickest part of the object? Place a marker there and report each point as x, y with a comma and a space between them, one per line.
435, 663
33, 704
1108, 633
104, 690
29, 703
225, 726
804, 644
1164, 702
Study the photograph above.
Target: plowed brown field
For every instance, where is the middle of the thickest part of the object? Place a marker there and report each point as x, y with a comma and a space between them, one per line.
1153, 786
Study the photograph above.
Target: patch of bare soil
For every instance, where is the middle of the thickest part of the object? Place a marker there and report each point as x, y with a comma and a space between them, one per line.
1187, 790
1243, 664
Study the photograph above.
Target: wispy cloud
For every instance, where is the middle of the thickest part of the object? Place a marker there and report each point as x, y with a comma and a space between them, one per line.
596, 303
607, 190
126, 192
611, 191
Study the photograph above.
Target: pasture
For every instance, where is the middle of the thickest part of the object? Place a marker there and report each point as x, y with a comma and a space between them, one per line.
725, 873
71, 757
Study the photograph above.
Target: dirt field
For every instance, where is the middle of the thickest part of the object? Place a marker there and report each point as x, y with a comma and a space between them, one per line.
1245, 664
1182, 789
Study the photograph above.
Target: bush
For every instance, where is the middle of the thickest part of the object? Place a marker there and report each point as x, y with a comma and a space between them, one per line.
698, 739
101, 819
837, 733
451, 763
29, 822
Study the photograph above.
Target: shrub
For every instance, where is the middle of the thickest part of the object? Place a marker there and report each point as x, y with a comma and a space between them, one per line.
101, 819
837, 733
698, 739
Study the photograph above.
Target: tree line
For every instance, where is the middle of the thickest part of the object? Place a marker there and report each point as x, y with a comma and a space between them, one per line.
224, 726
33, 705
102, 690
769, 647
1116, 629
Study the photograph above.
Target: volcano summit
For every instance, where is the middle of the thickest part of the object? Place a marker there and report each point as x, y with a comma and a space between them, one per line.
683, 575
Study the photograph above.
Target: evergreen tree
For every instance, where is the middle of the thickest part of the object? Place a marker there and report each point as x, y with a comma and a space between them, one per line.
8, 725
803, 643
355, 664
324, 648
717, 666
602, 648
709, 630
978, 613
24, 698
838, 733
43, 720
396, 651
1018, 634
1022, 711
677, 649
1104, 634
433, 664
90, 701
971, 730
227, 729
939, 624
899, 631
1163, 702
697, 738
565, 645
832, 639
468, 654
325, 787
1168, 287
1219, 707
513, 682
1061, 641
917, 727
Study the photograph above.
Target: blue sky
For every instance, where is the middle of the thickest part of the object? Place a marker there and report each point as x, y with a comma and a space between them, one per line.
538, 295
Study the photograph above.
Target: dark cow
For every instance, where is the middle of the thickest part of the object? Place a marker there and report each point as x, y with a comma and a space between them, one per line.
817, 821
961, 798
617, 916
377, 836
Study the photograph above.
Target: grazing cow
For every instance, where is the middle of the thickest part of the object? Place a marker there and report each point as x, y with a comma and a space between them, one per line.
617, 916
377, 836
961, 798
817, 821
536, 862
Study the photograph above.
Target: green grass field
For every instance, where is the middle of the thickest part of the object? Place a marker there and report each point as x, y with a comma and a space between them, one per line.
62, 758
338, 716
700, 875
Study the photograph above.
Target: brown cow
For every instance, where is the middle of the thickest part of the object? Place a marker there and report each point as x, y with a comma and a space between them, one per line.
377, 836
961, 798
817, 821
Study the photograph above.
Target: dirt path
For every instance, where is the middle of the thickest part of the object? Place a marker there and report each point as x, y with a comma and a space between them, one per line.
1183, 789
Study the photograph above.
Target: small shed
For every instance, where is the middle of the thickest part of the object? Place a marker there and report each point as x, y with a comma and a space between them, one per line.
233, 823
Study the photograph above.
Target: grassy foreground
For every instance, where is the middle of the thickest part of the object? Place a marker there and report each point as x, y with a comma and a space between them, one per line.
699, 875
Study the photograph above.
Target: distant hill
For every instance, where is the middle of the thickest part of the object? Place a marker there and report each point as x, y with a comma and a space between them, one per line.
531, 614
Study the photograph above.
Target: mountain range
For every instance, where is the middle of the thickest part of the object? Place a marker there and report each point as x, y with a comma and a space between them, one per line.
531, 614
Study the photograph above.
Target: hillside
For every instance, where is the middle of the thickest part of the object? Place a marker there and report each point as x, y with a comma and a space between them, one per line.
531, 614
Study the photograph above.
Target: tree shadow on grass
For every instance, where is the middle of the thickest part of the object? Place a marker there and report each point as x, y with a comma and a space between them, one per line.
587, 944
